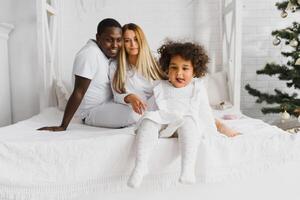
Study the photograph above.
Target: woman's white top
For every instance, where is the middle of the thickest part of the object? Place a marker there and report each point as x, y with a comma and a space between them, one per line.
172, 104
135, 83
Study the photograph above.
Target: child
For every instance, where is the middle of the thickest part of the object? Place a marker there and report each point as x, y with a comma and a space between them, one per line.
181, 105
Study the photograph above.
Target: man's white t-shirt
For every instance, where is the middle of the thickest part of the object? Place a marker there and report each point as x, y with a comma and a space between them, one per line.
91, 63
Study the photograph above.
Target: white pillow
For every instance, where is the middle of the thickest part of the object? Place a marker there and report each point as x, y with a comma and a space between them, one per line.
217, 88
62, 94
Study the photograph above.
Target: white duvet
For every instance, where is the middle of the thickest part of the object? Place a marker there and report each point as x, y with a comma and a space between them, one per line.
45, 165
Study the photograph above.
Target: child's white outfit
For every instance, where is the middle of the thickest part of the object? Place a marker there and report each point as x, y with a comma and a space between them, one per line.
185, 110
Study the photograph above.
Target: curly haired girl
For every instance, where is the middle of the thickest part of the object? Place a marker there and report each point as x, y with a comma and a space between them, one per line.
180, 105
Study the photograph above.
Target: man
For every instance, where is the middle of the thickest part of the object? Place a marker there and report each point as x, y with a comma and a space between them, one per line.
92, 90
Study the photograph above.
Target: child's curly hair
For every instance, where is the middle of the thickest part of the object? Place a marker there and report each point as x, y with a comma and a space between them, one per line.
188, 51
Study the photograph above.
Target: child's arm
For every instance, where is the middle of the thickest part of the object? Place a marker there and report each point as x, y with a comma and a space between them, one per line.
222, 128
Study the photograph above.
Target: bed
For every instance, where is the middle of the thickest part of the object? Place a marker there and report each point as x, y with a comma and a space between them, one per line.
91, 163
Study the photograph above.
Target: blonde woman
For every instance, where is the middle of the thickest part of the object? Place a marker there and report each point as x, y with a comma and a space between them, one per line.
133, 73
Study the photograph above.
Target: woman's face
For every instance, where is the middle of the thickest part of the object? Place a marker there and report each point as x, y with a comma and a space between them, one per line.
181, 72
130, 43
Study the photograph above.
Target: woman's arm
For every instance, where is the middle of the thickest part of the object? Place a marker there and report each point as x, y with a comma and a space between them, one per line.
80, 88
136, 102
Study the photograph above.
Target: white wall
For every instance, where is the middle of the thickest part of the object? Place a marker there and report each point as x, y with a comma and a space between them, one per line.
207, 28
175, 19
5, 91
6, 11
23, 57
260, 18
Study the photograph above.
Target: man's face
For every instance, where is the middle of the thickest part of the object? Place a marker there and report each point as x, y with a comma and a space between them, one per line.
110, 41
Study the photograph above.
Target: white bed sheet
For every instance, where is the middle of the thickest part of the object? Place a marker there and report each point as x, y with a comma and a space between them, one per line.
215, 180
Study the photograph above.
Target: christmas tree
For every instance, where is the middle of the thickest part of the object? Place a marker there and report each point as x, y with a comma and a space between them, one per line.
289, 72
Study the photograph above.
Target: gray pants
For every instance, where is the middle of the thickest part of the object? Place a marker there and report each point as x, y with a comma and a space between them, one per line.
111, 115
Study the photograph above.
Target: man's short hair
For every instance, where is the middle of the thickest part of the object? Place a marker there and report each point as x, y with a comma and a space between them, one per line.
106, 23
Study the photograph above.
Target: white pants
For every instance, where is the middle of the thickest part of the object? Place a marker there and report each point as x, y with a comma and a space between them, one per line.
111, 115
147, 138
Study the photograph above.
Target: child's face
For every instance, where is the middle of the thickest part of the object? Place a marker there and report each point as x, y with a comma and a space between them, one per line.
181, 72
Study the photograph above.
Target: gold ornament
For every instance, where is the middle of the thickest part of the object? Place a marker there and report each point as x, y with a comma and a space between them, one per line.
297, 110
294, 43
285, 115
276, 41
297, 61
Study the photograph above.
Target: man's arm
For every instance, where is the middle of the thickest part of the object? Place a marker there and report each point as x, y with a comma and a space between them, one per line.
80, 88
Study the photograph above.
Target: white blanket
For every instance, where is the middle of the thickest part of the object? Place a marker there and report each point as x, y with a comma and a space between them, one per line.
44, 165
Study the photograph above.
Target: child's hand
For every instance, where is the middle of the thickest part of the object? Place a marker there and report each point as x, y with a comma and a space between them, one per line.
137, 104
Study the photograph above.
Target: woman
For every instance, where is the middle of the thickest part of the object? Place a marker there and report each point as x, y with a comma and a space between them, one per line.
133, 74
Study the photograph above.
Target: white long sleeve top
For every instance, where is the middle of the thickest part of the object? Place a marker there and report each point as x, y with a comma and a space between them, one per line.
135, 84
173, 104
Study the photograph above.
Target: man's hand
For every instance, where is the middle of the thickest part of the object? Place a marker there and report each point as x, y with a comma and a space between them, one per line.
81, 86
52, 128
137, 104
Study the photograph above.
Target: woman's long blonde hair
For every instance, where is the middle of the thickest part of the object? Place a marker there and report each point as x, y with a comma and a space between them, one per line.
146, 64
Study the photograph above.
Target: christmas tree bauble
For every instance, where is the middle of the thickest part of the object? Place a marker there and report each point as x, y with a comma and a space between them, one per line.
293, 8
284, 14
294, 43
297, 61
285, 115
276, 41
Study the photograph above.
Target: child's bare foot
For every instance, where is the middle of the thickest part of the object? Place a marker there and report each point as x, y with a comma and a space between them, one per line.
231, 133
223, 129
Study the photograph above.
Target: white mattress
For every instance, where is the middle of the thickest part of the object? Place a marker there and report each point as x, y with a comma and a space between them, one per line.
88, 162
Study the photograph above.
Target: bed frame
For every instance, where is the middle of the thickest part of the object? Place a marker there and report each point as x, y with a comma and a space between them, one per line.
49, 23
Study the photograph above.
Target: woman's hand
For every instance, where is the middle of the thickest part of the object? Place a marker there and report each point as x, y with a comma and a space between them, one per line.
137, 104
52, 128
